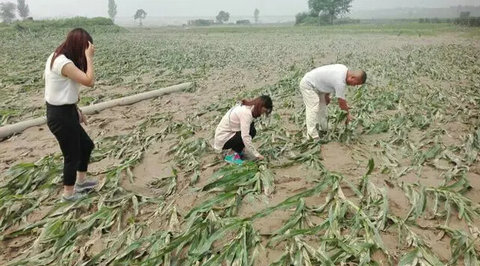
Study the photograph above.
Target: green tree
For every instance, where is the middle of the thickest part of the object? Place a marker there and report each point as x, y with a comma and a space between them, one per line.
7, 11
112, 9
329, 8
23, 9
140, 15
256, 14
223, 16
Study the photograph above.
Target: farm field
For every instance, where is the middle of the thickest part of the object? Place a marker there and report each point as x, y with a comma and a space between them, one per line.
400, 185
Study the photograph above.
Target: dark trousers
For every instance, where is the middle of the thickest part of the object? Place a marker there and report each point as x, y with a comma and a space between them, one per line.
236, 142
74, 142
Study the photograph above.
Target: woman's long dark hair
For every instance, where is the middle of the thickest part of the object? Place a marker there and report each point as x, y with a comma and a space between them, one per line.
258, 103
74, 48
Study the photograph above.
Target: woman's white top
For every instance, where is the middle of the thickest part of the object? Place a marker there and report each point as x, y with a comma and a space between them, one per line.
59, 90
236, 119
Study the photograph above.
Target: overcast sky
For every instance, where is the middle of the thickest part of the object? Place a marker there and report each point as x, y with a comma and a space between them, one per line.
192, 8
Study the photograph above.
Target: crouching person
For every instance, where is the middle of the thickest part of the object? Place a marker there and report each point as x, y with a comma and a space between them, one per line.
236, 129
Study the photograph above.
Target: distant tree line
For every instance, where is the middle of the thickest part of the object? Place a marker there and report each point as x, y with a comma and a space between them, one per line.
94, 25
470, 21
306, 18
243, 22
7, 14
201, 22
436, 20
464, 19
222, 18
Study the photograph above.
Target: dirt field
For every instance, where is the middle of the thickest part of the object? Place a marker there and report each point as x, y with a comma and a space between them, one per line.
399, 185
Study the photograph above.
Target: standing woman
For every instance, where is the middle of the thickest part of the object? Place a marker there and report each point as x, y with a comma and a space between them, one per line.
236, 129
70, 66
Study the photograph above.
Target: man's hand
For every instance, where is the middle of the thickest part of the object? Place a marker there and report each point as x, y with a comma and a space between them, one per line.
327, 98
344, 106
260, 157
349, 118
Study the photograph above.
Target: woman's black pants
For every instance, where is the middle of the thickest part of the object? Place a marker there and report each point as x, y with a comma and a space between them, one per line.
76, 145
236, 142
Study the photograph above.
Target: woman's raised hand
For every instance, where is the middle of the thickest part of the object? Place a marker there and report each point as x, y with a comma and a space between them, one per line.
90, 50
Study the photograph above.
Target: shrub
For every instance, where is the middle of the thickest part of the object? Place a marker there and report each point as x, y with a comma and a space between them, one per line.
346, 21
301, 17
201, 22
243, 22
468, 21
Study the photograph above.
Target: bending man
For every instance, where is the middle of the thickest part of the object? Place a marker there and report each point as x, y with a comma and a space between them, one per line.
316, 87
